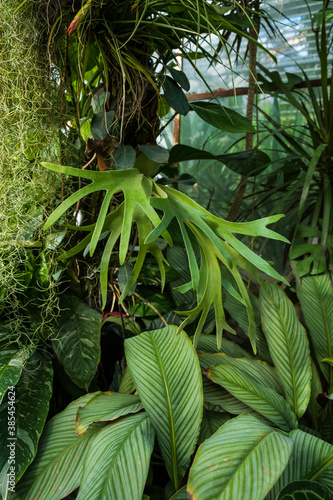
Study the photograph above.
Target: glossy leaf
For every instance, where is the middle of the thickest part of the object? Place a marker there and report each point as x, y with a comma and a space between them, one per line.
251, 162
11, 364
311, 459
26, 407
58, 466
175, 97
78, 343
124, 157
106, 406
288, 346
243, 459
117, 461
221, 117
180, 77
305, 490
174, 400
316, 297
256, 395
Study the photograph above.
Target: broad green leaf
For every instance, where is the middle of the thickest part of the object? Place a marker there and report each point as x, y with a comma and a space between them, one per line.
180, 78
316, 297
166, 374
124, 275
106, 406
221, 117
27, 407
314, 408
117, 461
256, 395
311, 459
78, 342
175, 96
11, 364
305, 490
155, 153
247, 163
288, 346
242, 460
125, 157
58, 466
211, 422
258, 370
218, 396
101, 124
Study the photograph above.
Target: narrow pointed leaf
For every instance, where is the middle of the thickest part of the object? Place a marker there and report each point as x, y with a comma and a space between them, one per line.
288, 346
117, 462
242, 460
166, 374
106, 406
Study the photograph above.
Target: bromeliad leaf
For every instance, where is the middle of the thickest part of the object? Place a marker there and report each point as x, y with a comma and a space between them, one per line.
288, 346
243, 459
174, 401
117, 462
106, 406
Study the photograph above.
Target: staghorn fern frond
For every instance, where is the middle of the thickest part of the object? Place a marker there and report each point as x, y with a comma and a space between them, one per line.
221, 251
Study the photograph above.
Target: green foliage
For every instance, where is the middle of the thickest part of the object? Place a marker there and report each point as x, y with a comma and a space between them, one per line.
257, 454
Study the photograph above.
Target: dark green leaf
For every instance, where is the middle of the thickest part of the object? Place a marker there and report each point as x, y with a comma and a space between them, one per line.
180, 78
251, 162
175, 96
27, 405
101, 124
78, 342
155, 153
305, 490
222, 118
125, 157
